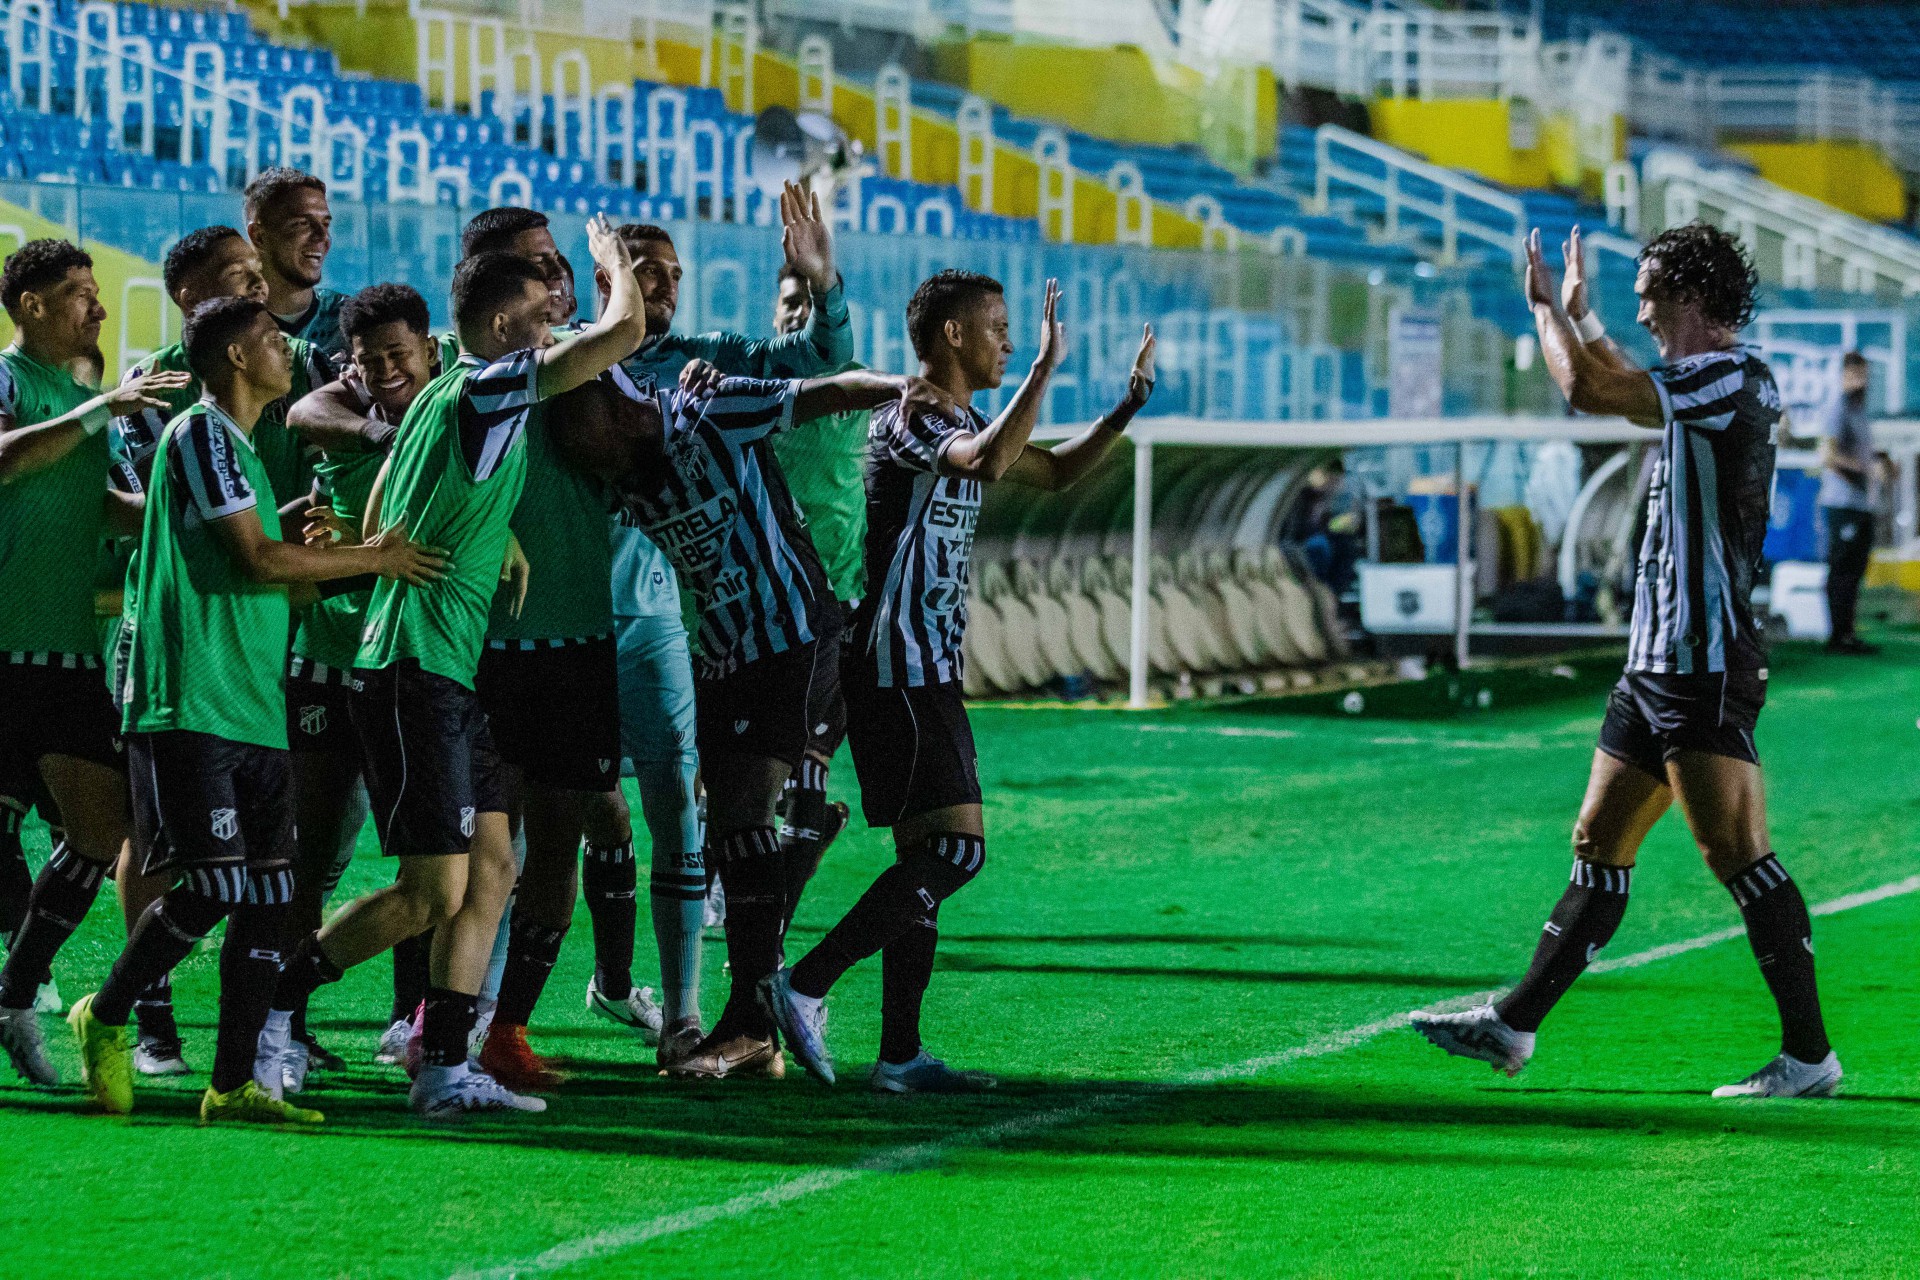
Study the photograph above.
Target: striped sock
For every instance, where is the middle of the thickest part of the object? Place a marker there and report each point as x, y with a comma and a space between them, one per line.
1582, 922
903, 896
610, 881
62, 895
1781, 934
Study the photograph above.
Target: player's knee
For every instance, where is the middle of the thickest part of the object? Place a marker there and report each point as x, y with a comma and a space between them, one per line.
1728, 860
431, 903
1601, 846
948, 860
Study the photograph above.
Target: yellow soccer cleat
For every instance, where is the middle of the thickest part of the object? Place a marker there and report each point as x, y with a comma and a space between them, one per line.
106, 1060
253, 1105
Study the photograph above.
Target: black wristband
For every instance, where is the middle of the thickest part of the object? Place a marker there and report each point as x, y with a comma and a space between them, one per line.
1121, 414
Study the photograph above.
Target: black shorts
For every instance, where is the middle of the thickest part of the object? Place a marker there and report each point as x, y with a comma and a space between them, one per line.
554, 711
320, 712
201, 801
1652, 718
431, 766
51, 708
826, 703
758, 711
912, 748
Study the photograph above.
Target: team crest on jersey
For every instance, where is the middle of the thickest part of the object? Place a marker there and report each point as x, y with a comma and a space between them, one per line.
466, 821
313, 721
226, 824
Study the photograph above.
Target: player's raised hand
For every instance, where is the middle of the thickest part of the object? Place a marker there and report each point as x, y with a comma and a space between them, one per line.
1539, 279
807, 239
700, 379
1573, 285
1053, 334
608, 249
1140, 381
142, 391
399, 557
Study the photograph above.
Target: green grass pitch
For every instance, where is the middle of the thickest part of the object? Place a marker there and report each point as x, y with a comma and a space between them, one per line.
1185, 957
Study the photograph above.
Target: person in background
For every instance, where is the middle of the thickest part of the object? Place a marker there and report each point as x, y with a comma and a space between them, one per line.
1846, 502
1323, 523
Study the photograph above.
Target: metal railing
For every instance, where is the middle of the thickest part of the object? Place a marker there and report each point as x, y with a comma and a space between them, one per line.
1463, 208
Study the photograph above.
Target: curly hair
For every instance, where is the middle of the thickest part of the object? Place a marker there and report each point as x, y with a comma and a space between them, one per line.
37, 265
1701, 264
190, 253
383, 304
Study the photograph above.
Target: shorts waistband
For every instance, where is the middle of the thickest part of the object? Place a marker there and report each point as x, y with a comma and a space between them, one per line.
560, 642
48, 658
299, 668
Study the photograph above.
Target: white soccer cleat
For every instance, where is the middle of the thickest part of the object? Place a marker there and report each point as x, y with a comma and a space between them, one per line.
159, 1058
293, 1068
393, 1044
638, 1011
46, 999
1478, 1033
439, 1094
1787, 1077
26, 1047
270, 1054
927, 1074
802, 1021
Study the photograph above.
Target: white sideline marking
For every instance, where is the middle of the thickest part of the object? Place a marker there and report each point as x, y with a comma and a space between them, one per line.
1223, 731
1513, 742
919, 1154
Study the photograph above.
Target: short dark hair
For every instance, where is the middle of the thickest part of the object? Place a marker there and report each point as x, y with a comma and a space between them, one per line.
1701, 264
635, 234
275, 184
790, 272
1854, 360
941, 297
212, 328
493, 229
190, 252
37, 265
486, 280
383, 304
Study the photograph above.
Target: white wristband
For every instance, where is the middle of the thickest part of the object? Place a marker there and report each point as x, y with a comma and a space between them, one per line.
1589, 328
95, 419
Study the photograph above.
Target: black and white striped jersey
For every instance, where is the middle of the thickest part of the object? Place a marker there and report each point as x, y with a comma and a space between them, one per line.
1706, 517
718, 507
919, 548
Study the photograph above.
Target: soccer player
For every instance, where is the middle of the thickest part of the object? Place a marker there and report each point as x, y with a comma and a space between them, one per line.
903, 680
1679, 724
822, 460
211, 262
656, 674
392, 358
56, 715
205, 715
548, 682
289, 223
456, 474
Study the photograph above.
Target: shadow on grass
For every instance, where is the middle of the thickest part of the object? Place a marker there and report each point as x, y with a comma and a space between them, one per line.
1179, 940
1454, 982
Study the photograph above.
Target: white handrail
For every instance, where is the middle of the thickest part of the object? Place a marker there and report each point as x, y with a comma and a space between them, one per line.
1399, 165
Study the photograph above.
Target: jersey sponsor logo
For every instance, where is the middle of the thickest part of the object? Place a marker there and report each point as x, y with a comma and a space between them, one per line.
729, 586
466, 820
225, 824
693, 539
948, 519
944, 597
313, 721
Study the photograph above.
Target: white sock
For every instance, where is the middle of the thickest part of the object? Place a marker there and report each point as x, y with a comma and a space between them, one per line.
279, 1026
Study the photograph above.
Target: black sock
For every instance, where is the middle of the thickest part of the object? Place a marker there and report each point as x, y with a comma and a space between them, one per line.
153, 1011
16, 881
803, 834
411, 960
903, 894
306, 971
162, 937
449, 1022
753, 872
611, 881
532, 950
906, 967
249, 965
62, 895
1781, 934
1582, 922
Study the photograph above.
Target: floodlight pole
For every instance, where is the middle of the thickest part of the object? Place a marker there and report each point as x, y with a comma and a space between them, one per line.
1462, 534
1142, 554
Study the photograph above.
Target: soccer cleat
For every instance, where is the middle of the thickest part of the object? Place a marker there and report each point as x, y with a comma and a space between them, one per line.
393, 1044
270, 1053
736, 1057
801, 1019
1787, 1077
508, 1058
482, 1023
26, 1047
106, 1064
46, 999
437, 1095
927, 1074
294, 1065
153, 1056
678, 1043
252, 1105
321, 1057
637, 1011
1478, 1033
